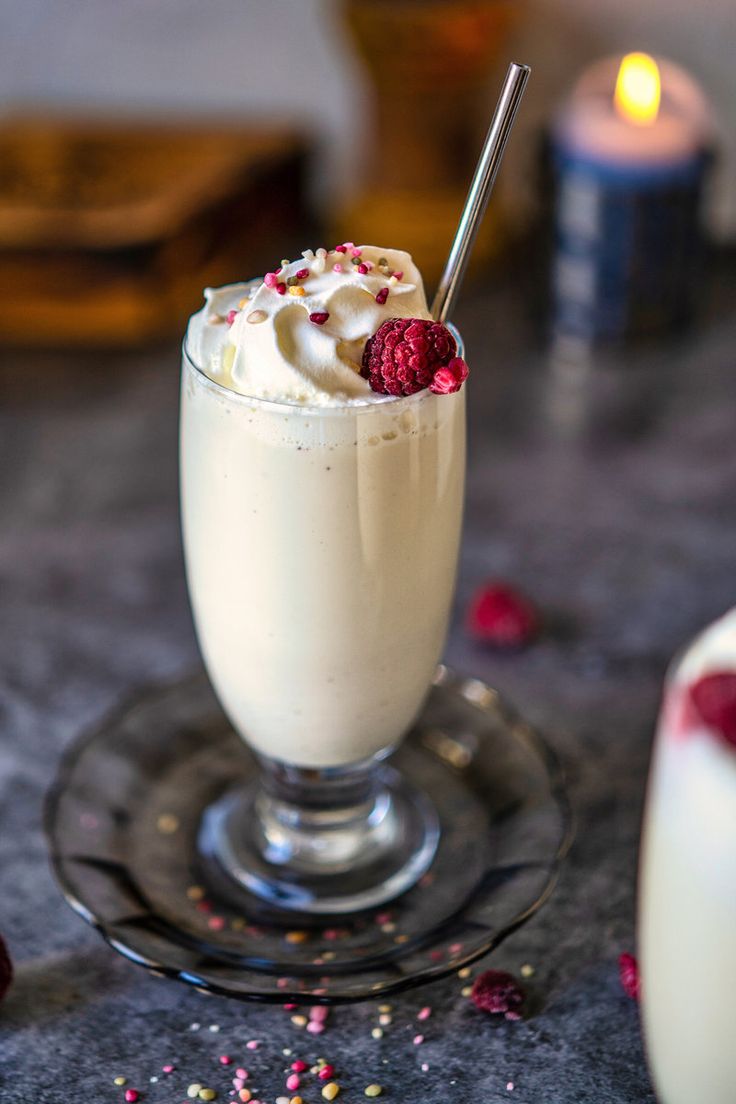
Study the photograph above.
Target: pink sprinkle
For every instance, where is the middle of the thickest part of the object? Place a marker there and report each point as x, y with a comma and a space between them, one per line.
509, 1086
330, 933
253, 1044
349, 245
290, 1007
341, 249
302, 274
436, 956
357, 252
206, 906
362, 269
282, 983
314, 1027
216, 923
293, 1082
299, 1066
326, 1072
231, 316
271, 279
239, 1083
242, 1073
383, 917
424, 1013
225, 1059
281, 289
368, 264
382, 296
455, 948
399, 275
319, 1012
168, 1069
131, 1095
337, 268
319, 317
418, 1040
424, 1067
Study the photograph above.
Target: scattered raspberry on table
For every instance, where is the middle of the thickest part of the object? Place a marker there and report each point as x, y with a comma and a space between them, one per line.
500, 615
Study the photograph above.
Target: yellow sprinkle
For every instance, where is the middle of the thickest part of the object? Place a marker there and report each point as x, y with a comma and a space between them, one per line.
242, 302
297, 291
300, 1021
527, 970
120, 1081
195, 893
466, 990
328, 956
193, 1090
296, 1100
377, 1033
384, 1008
207, 1094
373, 1090
465, 972
238, 923
401, 939
330, 1090
296, 937
167, 823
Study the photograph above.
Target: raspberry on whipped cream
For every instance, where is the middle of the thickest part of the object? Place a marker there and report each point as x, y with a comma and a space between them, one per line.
405, 355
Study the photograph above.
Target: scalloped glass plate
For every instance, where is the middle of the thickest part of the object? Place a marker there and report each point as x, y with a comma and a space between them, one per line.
123, 817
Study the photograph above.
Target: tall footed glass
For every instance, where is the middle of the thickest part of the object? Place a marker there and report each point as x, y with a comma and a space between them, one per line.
321, 549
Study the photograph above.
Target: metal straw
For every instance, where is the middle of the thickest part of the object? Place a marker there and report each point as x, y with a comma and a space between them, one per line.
480, 189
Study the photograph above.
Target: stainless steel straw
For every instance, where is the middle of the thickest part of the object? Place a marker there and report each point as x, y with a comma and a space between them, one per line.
480, 189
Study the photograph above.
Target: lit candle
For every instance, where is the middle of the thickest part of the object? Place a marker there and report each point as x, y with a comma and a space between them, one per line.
629, 148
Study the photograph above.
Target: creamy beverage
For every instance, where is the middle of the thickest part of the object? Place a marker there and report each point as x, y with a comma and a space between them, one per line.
687, 915
321, 518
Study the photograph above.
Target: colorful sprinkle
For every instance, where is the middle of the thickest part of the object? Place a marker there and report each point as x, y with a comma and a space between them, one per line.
296, 936
271, 279
240, 1072
418, 1040
243, 302
377, 1033
331, 1090
299, 1021
120, 1080
526, 970
193, 1090
424, 1013
373, 1090
256, 316
168, 1069
293, 1082
297, 291
207, 1094
337, 268
167, 822
281, 288
302, 274
131, 1095
464, 973
326, 1072
319, 317
384, 1019
382, 296
215, 1028
244, 1095
466, 990
341, 249
424, 1067
231, 316
362, 269
314, 1027
253, 1044
216, 923
225, 1059
284, 262
509, 1086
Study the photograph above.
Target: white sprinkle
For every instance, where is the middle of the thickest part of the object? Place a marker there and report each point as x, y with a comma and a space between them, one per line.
214, 1027
377, 1033
286, 1051
153, 1080
424, 1067
194, 1027
527, 971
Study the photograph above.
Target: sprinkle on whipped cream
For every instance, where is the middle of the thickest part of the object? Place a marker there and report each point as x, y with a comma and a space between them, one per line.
299, 335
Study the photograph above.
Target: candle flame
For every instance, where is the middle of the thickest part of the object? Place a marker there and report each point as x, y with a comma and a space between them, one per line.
638, 89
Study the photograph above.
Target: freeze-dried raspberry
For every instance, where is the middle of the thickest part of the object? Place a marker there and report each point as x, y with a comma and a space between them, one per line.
500, 615
714, 697
405, 355
628, 972
498, 992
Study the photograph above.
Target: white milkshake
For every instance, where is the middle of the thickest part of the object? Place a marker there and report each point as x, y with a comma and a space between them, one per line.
321, 519
687, 917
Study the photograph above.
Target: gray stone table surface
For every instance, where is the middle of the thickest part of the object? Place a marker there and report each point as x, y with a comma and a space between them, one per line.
606, 493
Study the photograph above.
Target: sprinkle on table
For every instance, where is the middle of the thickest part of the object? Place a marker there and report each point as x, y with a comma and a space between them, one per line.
331, 1090
253, 1044
526, 970
207, 1094
299, 1021
120, 1080
373, 1090
464, 973
377, 1033
194, 1090
131, 1095
385, 1019
296, 937
167, 823
418, 1040
424, 1013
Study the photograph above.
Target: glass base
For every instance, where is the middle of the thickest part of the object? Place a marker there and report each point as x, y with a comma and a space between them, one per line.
330, 841
136, 801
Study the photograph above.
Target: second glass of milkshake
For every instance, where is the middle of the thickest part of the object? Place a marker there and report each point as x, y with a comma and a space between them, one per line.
322, 475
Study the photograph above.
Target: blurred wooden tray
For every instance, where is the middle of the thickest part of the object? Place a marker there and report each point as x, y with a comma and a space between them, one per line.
109, 229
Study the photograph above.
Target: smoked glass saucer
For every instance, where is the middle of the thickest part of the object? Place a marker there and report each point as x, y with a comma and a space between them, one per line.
123, 825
